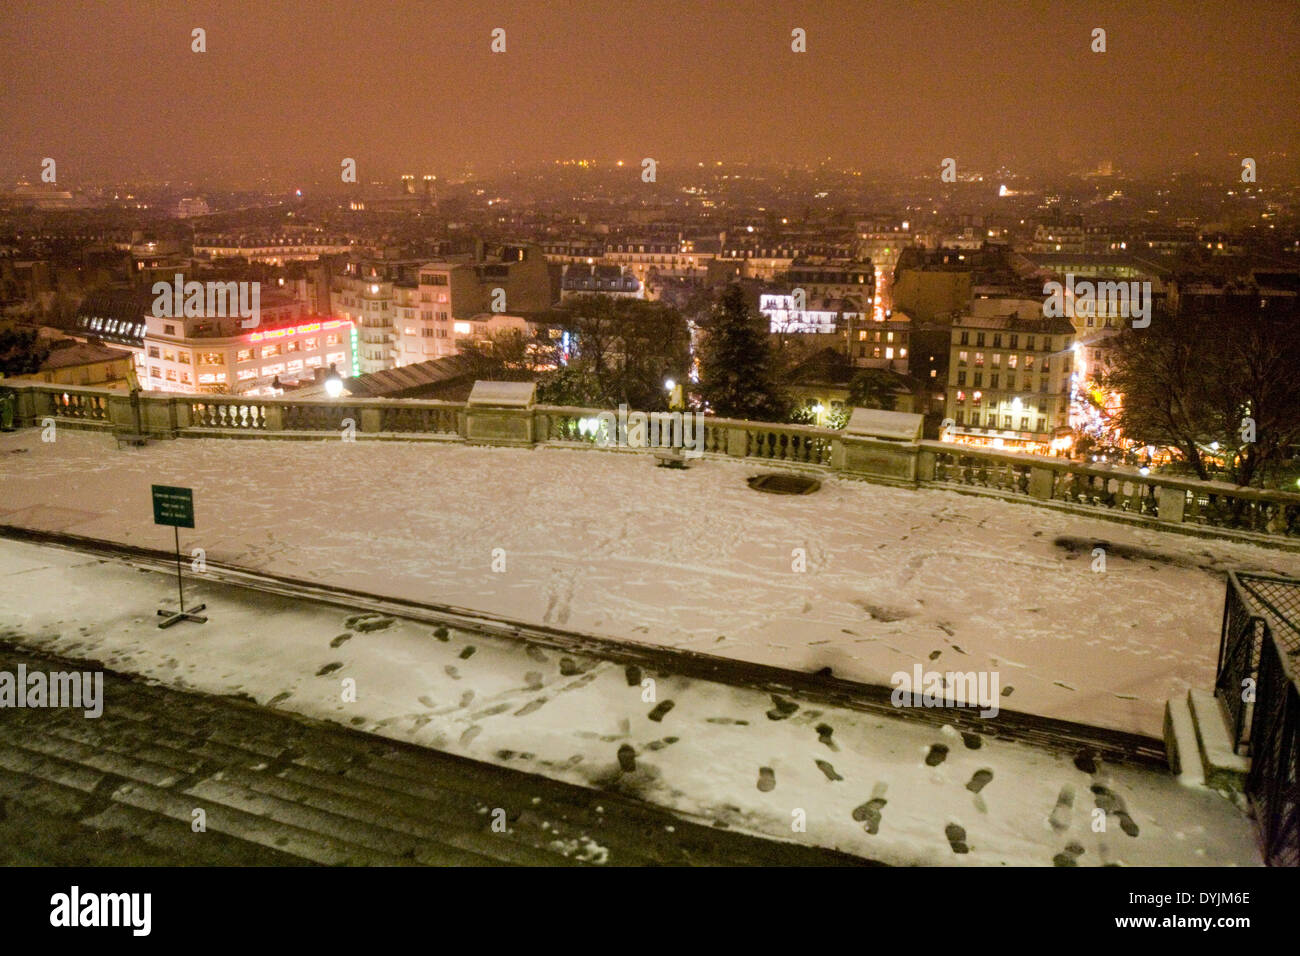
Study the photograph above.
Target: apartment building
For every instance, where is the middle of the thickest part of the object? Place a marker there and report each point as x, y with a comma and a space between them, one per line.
1010, 381
611, 280
667, 258
217, 355
368, 293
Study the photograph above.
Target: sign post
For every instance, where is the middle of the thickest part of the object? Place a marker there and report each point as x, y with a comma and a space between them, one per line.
175, 506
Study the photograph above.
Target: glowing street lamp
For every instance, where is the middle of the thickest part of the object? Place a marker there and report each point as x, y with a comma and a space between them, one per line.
333, 383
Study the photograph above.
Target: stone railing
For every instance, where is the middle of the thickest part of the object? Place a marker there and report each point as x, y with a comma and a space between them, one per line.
789, 444
1119, 492
1204, 507
87, 407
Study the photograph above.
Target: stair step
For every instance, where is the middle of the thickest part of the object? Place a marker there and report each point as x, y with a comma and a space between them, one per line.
1180, 742
1224, 768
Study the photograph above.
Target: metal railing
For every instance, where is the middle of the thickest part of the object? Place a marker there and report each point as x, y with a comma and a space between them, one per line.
1258, 681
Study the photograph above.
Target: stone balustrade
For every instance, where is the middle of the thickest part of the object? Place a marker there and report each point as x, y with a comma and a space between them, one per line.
1210, 508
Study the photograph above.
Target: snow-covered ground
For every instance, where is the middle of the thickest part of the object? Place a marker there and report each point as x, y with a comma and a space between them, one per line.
608, 544
891, 789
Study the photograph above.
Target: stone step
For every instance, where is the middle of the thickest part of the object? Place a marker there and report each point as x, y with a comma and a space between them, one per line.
1180, 742
102, 788
1224, 768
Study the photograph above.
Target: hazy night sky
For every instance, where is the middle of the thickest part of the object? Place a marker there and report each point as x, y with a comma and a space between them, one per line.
111, 89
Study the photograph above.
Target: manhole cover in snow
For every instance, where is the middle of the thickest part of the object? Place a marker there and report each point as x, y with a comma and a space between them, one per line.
784, 484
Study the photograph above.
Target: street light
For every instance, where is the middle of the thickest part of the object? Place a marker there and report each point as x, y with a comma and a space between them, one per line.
333, 382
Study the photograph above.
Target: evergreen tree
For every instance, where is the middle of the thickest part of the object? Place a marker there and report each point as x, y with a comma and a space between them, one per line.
736, 365
21, 352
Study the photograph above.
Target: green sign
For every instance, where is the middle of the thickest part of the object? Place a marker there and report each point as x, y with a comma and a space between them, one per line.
173, 506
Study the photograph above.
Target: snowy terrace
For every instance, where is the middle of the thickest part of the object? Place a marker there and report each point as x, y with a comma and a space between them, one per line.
607, 544
889, 789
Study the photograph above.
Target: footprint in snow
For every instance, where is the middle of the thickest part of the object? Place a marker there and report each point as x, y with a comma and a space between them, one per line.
783, 709
283, 695
569, 667
727, 720
441, 634
536, 653
956, 835
1086, 761
824, 732
341, 639
1069, 857
766, 779
980, 780
467, 698
661, 709
633, 675
470, 733
627, 758
533, 680
869, 812
427, 701
827, 769
529, 707
467, 652
661, 744
452, 672
1113, 804
938, 753
972, 741
1060, 818
329, 668
492, 711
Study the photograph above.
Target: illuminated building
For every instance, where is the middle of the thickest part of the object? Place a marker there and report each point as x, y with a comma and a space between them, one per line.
1010, 381
218, 355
